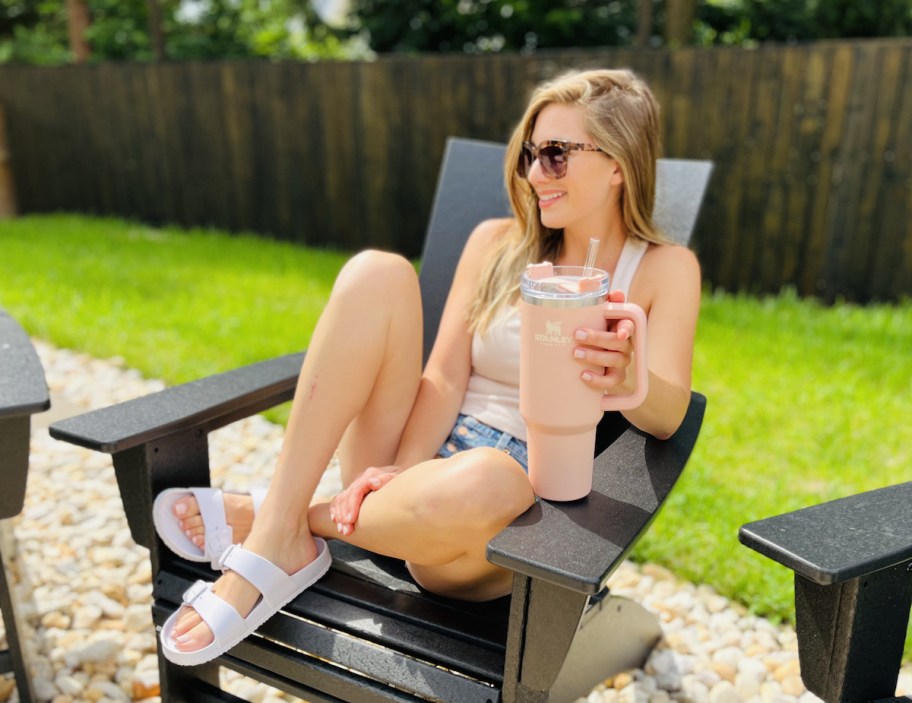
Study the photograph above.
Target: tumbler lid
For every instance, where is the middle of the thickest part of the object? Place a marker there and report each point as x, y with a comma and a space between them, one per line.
563, 286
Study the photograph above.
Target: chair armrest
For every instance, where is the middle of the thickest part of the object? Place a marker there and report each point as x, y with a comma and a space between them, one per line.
211, 403
578, 544
840, 540
23, 393
23, 390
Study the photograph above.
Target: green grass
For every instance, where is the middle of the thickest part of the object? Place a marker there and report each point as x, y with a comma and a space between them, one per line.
175, 304
806, 402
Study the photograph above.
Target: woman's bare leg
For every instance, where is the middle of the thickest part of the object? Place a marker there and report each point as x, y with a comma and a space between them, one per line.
369, 333
439, 517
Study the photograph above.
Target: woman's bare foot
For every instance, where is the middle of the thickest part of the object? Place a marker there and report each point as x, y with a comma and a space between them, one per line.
239, 514
289, 552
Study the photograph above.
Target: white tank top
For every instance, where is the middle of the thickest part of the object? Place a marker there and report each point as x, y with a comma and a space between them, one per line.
492, 395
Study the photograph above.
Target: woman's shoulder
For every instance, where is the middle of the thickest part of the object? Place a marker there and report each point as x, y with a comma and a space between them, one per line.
493, 229
668, 268
488, 233
668, 256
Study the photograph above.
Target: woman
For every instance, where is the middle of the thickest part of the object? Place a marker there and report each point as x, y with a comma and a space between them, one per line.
421, 451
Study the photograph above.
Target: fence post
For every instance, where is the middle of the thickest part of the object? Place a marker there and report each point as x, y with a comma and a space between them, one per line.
7, 191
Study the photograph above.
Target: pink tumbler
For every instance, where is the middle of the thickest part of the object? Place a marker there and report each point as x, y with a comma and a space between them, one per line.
561, 412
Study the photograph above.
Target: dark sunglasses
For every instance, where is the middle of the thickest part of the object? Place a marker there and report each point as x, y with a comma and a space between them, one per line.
551, 154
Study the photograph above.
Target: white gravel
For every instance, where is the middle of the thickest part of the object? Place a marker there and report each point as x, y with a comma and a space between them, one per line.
85, 587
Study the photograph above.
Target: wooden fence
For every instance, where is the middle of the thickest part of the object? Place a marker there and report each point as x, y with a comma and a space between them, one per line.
812, 145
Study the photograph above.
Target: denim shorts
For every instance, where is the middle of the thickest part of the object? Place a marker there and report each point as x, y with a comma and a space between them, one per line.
469, 433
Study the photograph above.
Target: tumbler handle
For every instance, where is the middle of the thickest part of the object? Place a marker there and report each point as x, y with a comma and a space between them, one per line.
634, 313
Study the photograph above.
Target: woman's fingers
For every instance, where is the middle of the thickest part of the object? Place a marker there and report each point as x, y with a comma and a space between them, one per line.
345, 507
608, 349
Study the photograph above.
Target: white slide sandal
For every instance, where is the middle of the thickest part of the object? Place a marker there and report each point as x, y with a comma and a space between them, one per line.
276, 589
219, 535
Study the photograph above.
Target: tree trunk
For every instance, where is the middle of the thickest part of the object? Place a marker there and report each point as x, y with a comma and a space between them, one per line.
644, 22
155, 30
78, 22
679, 21
7, 191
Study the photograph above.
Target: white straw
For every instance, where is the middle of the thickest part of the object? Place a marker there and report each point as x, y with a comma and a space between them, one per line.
590, 257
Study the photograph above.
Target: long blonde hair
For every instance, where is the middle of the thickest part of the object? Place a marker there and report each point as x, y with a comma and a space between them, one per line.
622, 118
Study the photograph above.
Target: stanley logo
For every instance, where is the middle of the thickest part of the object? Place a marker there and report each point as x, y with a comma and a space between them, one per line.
552, 335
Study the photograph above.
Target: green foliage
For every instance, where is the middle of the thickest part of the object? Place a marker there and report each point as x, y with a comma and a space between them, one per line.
847, 18
750, 21
35, 31
476, 26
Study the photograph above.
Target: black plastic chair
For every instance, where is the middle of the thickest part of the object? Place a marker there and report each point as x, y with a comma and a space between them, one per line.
23, 393
852, 559
366, 632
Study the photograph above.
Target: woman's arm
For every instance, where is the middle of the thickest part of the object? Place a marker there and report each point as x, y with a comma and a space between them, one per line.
446, 375
667, 287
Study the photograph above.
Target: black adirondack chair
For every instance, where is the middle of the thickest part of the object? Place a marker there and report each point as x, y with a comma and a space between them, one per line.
23, 393
366, 632
852, 559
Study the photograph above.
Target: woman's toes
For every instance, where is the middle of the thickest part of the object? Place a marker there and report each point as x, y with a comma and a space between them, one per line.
197, 638
186, 621
186, 507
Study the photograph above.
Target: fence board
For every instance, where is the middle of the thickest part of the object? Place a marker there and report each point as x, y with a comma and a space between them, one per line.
854, 159
807, 145
892, 268
812, 147
822, 238
883, 125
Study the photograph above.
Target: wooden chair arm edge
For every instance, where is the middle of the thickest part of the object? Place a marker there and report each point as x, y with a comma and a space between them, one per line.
773, 537
212, 402
21, 372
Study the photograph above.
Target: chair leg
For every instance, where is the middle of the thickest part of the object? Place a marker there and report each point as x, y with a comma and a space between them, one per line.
851, 634
15, 654
615, 635
179, 684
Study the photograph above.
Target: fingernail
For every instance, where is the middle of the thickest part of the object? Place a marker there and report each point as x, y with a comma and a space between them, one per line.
587, 376
581, 335
375, 482
348, 517
579, 354
346, 531
332, 514
339, 528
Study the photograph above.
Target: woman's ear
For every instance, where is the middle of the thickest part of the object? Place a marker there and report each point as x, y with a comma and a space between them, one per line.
617, 178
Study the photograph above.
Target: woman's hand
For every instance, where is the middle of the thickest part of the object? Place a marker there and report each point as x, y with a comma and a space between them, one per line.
611, 349
345, 507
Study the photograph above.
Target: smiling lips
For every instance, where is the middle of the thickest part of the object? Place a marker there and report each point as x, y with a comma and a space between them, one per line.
548, 199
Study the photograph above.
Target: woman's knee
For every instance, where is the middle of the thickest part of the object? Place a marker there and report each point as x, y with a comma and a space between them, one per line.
375, 272
482, 486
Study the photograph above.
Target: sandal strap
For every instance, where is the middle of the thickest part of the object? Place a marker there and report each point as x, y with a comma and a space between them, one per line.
216, 613
258, 495
265, 576
219, 535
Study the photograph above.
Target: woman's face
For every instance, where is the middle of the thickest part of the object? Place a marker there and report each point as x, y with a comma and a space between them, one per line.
585, 200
